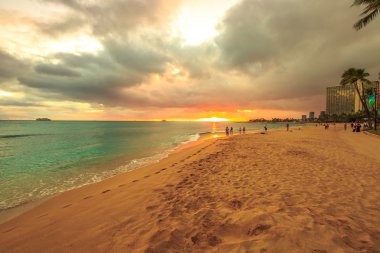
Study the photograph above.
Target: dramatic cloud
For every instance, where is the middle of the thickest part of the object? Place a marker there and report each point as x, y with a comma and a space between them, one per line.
292, 48
117, 17
10, 67
57, 70
267, 56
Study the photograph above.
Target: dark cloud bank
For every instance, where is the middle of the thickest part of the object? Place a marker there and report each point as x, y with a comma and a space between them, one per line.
269, 54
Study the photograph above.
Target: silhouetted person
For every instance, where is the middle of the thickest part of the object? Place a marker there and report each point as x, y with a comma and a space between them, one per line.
287, 127
227, 131
243, 130
358, 126
231, 131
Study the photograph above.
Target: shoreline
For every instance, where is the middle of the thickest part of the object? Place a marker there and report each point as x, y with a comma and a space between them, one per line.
299, 191
13, 212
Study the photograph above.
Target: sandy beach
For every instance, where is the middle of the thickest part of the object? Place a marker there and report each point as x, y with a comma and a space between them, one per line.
306, 190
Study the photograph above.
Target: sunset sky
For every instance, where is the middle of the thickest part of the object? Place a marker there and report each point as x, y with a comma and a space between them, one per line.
172, 59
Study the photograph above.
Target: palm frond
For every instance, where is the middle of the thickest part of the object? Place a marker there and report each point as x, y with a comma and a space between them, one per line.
361, 2
370, 12
366, 20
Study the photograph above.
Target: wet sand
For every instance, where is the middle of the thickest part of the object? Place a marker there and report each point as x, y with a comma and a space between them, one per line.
307, 190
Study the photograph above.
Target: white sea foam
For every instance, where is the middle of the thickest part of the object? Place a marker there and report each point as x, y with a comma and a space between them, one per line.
44, 189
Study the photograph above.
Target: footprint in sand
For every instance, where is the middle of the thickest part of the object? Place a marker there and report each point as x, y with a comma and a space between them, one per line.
213, 240
9, 230
122, 185
259, 229
199, 238
88, 197
146, 176
236, 204
105, 191
67, 206
134, 181
150, 208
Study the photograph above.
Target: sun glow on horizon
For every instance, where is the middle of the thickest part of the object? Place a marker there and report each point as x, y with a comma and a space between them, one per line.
213, 119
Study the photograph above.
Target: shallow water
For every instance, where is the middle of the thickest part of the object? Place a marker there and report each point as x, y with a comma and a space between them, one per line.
41, 158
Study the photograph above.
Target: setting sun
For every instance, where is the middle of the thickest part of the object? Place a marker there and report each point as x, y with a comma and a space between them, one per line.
213, 119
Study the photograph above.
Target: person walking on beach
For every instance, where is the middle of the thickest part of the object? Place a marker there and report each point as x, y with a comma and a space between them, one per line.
345, 126
231, 131
358, 126
287, 127
265, 128
227, 131
243, 129
239, 130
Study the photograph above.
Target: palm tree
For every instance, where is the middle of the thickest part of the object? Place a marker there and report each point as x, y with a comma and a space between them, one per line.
371, 10
353, 76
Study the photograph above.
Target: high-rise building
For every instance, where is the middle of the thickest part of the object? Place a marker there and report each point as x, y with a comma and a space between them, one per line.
311, 115
322, 115
343, 99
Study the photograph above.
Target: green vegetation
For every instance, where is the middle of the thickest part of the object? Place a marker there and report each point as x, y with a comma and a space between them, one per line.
351, 117
371, 10
353, 76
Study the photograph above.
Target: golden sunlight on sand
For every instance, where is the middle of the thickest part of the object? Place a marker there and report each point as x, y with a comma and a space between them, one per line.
307, 190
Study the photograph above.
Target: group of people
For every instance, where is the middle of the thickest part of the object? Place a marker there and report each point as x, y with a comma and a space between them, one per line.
356, 126
230, 130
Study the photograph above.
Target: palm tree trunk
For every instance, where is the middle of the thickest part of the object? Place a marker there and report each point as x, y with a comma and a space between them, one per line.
363, 103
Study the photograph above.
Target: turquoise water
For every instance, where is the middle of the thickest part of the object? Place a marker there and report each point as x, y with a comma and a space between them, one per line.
41, 158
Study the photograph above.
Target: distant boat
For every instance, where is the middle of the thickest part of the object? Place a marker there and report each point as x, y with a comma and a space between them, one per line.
43, 119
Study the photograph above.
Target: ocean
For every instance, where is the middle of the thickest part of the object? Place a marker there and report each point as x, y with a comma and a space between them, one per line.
42, 158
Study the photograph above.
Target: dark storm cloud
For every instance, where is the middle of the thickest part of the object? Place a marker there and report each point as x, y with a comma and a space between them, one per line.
4, 102
294, 48
95, 83
10, 67
56, 69
102, 78
133, 57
